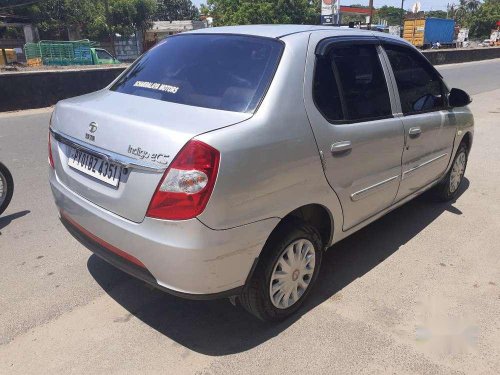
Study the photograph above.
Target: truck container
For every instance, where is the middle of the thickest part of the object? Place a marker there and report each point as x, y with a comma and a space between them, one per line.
423, 32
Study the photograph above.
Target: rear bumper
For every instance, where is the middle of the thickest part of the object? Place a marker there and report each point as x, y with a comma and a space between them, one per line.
184, 258
132, 269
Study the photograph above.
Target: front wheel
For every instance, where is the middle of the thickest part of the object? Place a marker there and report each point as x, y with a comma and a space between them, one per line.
6, 187
286, 272
448, 188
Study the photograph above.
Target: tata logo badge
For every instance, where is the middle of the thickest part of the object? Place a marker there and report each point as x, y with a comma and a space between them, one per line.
92, 130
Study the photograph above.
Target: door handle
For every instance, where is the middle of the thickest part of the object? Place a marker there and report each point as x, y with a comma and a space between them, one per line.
339, 147
414, 132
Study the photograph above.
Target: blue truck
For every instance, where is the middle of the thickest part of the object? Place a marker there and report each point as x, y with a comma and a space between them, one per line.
424, 32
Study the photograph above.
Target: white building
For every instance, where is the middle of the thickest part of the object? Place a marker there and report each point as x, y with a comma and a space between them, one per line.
165, 28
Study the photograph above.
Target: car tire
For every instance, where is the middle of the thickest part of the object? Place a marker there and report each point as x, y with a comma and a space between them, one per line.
8, 187
305, 244
449, 186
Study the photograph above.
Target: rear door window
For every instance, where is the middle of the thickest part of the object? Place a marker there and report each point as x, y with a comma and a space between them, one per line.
326, 92
350, 85
226, 72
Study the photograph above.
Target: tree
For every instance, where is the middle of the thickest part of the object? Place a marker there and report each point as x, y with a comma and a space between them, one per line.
436, 14
464, 11
176, 10
244, 12
484, 19
54, 17
204, 9
470, 5
94, 19
126, 16
390, 14
145, 13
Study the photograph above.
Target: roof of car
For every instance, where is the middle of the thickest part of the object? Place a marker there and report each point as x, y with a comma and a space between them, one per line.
271, 31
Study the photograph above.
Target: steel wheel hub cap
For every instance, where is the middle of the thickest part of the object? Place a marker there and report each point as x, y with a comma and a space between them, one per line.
292, 273
457, 172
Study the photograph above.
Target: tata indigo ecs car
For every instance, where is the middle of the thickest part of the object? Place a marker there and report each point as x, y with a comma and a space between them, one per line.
224, 162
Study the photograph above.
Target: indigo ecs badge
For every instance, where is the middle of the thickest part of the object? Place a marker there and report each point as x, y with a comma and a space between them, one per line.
146, 155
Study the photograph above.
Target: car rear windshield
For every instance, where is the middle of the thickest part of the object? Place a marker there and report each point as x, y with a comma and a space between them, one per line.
226, 72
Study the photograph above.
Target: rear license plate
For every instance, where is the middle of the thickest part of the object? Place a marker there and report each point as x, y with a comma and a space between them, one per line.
95, 166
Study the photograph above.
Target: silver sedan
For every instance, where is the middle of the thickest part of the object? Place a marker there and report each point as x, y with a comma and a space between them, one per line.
224, 162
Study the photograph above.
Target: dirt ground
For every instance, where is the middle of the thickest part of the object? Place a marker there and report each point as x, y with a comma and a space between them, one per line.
18, 67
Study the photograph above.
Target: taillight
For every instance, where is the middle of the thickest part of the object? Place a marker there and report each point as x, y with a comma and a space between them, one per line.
187, 184
51, 160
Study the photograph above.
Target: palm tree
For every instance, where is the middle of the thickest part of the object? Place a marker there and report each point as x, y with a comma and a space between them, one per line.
473, 5
469, 6
461, 12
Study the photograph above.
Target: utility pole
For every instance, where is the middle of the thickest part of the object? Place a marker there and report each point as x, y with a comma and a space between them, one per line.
402, 18
370, 5
110, 27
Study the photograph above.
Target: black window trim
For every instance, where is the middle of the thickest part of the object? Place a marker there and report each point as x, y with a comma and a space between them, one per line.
400, 43
421, 57
325, 45
322, 50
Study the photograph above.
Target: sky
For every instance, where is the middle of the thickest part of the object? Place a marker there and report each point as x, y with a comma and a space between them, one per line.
426, 4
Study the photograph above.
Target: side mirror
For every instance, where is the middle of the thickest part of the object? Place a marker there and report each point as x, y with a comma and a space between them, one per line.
458, 98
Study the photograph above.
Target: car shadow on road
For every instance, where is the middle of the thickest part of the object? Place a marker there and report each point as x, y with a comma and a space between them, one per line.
217, 328
6, 220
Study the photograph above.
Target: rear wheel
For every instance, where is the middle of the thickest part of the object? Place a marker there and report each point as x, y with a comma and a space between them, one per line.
448, 188
286, 272
6, 187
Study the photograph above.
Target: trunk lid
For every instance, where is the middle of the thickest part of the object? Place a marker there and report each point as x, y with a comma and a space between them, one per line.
137, 129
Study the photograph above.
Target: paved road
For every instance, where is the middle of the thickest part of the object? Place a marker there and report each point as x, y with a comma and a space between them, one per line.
416, 292
474, 77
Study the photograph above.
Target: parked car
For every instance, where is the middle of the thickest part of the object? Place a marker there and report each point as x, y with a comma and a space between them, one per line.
224, 162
